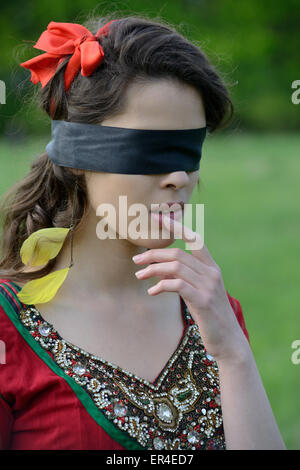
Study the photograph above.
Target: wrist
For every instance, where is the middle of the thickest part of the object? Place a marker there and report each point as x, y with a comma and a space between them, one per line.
235, 352
240, 357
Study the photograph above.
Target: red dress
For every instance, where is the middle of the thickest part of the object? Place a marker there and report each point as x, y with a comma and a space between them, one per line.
55, 396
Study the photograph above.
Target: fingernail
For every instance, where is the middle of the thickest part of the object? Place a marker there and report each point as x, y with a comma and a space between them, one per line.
137, 258
151, 289
139, 273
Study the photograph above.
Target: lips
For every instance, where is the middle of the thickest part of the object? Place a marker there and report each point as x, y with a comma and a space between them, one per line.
164, 210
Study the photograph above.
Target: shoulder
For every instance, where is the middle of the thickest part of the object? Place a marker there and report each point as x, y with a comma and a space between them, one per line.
237, 308
18, 358
10, 305
12, 346
8, 295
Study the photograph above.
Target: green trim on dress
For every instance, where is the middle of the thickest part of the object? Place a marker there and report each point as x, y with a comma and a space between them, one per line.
117, 434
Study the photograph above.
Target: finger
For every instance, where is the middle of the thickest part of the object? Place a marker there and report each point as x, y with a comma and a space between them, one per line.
187, 292
158, 255
189, 236
173, 270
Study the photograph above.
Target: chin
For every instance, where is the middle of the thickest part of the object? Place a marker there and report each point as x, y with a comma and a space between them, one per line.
159, 237
156, 242
152, 244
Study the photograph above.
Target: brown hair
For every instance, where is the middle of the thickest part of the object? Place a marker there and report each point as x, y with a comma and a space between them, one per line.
137, 49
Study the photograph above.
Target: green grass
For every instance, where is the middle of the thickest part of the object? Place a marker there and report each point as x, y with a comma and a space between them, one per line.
250, 188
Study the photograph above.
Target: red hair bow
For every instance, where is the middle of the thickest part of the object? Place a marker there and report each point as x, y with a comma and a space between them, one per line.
60, 40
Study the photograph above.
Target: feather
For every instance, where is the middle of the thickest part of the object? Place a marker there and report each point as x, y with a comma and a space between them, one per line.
43, 289
43, 245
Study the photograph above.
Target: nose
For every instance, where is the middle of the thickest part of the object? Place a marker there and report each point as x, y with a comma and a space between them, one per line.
175, 180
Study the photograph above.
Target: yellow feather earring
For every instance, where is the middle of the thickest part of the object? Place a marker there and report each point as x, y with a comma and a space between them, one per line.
38, 249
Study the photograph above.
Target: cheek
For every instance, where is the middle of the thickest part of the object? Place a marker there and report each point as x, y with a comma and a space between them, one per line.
136, 188
107, 188
98, 189
194, 179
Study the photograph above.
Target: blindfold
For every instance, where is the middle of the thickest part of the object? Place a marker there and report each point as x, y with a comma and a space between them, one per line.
123, 150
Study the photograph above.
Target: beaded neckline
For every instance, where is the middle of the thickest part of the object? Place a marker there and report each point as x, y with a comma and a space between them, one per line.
47, 327
181, 409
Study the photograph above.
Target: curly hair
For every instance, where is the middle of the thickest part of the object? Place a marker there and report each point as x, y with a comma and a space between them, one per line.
137, 50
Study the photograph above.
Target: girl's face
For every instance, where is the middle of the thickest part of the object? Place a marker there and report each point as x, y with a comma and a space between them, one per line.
161, 104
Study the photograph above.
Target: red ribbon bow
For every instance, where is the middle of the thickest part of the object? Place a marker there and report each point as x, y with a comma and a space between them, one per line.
60, 40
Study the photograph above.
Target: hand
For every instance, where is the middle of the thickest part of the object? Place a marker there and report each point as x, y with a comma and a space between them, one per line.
198, 280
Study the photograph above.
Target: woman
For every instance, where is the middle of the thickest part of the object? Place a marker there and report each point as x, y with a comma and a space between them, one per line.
94, 360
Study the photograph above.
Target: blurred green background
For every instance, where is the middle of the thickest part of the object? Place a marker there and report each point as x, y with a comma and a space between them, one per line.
254, 42
249, 173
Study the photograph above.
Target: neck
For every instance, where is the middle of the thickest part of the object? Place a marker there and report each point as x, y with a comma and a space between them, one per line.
100, 266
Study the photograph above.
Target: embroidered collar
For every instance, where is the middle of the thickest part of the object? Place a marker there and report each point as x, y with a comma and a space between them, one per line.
180, 410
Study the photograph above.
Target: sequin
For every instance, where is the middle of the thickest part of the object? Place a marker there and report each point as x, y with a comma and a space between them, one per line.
120, 410
164, 412
179, 411
44, 329
158, 443
193, 437
79, 369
